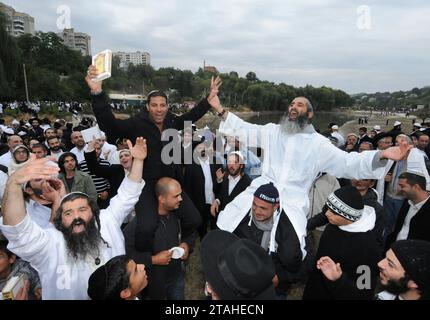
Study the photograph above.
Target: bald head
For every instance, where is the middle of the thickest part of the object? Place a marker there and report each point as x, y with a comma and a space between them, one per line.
305, 101
164, 185
14, 141
169, 195
77, 139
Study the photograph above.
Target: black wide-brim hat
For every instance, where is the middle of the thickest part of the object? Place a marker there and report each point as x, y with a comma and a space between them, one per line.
380, 136
237, 269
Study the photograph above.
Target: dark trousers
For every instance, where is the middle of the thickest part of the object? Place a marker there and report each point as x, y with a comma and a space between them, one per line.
207, 220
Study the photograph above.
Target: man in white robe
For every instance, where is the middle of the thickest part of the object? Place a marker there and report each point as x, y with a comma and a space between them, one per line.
66, 256
294, 155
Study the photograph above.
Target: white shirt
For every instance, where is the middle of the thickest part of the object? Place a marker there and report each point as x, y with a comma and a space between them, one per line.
232, 182
3, 181
209, 194
114, 157
57, 155
107, 151
63, 278
79, 153
6, 159
39, 213
413, 210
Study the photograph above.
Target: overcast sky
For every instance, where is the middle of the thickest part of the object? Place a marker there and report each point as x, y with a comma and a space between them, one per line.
356, 46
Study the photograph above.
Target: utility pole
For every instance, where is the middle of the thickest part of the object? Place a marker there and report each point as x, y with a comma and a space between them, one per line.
25, 82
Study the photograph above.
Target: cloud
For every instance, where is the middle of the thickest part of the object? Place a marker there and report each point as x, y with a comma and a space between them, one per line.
297, 42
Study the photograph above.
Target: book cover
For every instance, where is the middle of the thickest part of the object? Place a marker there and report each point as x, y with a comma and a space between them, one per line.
103, 63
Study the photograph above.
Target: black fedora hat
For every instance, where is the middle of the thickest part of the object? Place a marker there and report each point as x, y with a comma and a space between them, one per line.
237, 269
380, 136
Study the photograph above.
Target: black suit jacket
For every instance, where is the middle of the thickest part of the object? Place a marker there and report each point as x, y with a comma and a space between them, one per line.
194, 183
223, 195
419, 227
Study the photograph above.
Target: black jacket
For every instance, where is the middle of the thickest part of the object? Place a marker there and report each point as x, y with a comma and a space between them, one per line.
141, 125
351, 250
288, 259
194, 183
419, 227
167, 234
222, 194
370, 199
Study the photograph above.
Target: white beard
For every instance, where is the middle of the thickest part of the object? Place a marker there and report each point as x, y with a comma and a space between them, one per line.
293, 126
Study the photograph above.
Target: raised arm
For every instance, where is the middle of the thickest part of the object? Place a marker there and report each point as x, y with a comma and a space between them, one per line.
200, 110
13, 207
353, 165
128, 193
252, 135
114, 128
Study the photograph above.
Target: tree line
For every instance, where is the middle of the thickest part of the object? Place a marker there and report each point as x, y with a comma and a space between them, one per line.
55, 72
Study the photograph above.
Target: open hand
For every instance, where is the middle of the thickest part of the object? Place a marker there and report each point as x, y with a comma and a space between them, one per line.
35, 169
332, 271
139, 151
397, 153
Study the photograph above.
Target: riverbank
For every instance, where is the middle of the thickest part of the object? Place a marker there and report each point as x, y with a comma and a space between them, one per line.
376, 119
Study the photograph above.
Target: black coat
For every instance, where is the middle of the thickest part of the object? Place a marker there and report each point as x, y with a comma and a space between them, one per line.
141, 125
351, 250
419, 227
222, 194
371, 199
194, 183
288, 258
168, 234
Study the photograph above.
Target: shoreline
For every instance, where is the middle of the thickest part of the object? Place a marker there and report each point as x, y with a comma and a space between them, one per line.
376, 118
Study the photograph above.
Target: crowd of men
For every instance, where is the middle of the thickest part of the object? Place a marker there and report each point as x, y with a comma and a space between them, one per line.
271, 206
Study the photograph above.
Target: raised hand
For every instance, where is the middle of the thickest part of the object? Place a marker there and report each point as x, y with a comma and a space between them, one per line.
139, 151
397, 153
91, 74
35, 169
215, 85
332, 271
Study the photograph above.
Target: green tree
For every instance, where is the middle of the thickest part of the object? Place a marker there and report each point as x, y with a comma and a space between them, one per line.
9, 59
251, 76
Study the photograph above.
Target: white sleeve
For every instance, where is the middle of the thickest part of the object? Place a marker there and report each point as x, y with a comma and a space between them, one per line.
28, 241
123, 203
250, 134
353, 165
3, 181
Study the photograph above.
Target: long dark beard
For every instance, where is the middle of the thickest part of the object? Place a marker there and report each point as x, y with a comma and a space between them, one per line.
85, 243
294, 126
397, 287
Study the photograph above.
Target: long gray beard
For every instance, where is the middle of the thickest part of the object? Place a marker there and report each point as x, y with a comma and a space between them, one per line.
294, 126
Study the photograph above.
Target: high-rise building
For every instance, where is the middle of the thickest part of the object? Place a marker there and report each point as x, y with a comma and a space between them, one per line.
76, 41
136, 58
18, 23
